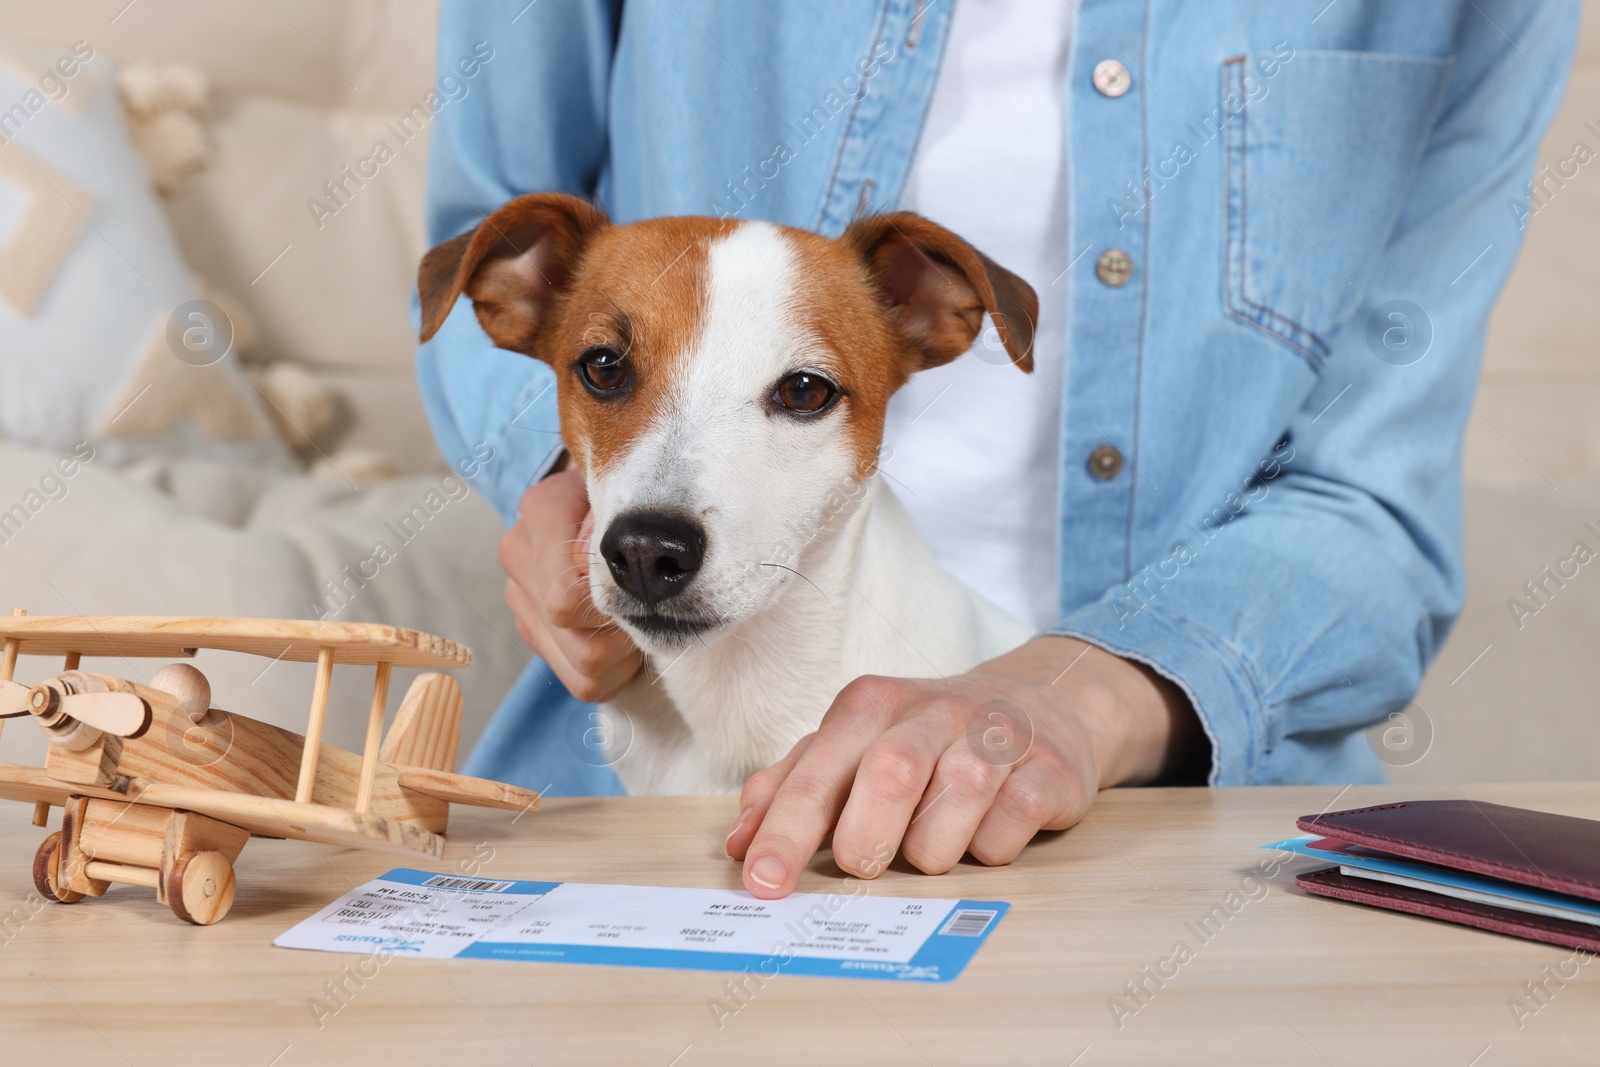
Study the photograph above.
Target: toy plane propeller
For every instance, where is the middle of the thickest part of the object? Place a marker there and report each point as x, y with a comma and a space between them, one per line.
63, 711
158, 788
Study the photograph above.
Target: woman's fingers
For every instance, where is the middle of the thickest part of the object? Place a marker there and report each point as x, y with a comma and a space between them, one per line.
890, 783
1037, 795
546, 557
599, 661
812, 794
958, 799
757, 796
933, 769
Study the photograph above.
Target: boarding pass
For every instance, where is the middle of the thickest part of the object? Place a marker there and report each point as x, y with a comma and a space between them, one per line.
854, 933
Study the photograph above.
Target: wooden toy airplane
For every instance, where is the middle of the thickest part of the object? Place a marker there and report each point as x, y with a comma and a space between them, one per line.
160, 789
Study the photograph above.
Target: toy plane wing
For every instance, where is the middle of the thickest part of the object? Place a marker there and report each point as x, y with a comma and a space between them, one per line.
178, 637
262, 816
32, 785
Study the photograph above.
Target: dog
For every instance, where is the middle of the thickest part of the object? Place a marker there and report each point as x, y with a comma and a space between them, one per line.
722, 387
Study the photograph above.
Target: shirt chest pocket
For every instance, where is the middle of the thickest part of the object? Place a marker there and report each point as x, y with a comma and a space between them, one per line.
1319, 162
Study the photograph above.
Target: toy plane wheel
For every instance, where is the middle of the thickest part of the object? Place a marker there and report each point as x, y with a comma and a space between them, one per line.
46, 870
205, 887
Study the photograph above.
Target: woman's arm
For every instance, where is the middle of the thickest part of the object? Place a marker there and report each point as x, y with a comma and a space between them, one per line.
533, 119
1316, 610
1286, 630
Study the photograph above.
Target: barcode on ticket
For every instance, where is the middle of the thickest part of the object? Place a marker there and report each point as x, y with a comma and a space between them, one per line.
969, 923
473, 885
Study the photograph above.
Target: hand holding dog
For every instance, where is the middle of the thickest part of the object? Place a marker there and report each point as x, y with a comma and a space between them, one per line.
895, 764
979, 763
546, 558
975, 763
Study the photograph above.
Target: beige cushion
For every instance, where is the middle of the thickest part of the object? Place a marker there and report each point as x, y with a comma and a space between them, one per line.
103, 333
299, 88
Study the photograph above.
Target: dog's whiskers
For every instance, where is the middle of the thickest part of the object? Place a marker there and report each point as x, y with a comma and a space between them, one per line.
809, 582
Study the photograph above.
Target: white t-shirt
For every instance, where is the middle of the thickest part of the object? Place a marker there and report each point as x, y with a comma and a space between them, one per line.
974, 445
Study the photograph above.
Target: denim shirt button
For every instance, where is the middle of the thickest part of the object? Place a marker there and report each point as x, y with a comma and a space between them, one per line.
1105, 462
1112, 78
1114, 267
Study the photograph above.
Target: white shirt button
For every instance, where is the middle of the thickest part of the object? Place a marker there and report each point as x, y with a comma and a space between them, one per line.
1112, 78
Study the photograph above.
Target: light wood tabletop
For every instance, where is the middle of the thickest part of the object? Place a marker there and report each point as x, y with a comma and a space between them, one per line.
1273, 977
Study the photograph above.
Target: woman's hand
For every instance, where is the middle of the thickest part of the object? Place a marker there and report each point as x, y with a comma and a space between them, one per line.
978, 763
546, 557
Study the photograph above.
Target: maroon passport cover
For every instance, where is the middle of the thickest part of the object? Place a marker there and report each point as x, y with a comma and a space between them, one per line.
1555, 852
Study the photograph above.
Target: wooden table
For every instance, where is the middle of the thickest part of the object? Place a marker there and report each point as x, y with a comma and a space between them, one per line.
1280, 978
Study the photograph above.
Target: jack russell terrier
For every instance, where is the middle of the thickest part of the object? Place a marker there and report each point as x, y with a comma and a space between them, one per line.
722, 387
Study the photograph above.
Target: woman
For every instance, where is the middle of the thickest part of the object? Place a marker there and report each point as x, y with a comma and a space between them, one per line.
1266, 239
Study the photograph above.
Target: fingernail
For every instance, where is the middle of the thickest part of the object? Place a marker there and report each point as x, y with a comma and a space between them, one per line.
744, 816
768, 872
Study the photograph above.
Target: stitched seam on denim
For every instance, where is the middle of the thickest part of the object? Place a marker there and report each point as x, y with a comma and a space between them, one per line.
1139, 657
1256, 690
1063, 442
1183, 622
849, 125
1144, 292
938, 65
1391, 57
1235, 195
1292, 331
1290, 326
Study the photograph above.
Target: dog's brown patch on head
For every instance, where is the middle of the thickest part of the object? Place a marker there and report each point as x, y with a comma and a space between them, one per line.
640, 289
514, 266
836, 301
938, 288
897, 294
550, 277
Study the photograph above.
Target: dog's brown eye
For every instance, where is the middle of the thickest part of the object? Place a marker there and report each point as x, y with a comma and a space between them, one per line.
604, 370
806, 392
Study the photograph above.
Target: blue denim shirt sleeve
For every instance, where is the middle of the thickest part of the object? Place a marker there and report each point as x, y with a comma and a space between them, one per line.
534, 119
1316, 609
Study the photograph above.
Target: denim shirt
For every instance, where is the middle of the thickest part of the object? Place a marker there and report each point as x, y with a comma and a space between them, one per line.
1319, 201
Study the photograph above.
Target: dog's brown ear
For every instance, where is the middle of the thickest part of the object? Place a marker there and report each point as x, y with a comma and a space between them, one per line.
941, 287
512, 266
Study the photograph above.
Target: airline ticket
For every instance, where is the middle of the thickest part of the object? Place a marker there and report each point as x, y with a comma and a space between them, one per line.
854, 934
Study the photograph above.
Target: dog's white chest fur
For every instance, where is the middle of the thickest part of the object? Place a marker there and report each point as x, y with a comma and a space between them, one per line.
868, 599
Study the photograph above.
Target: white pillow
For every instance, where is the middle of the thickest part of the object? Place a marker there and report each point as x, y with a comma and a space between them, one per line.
103, 333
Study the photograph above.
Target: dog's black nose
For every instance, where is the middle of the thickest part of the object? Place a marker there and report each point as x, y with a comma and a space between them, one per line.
653, 555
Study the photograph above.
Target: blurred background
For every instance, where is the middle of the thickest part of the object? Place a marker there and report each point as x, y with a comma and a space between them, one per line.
217, 159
